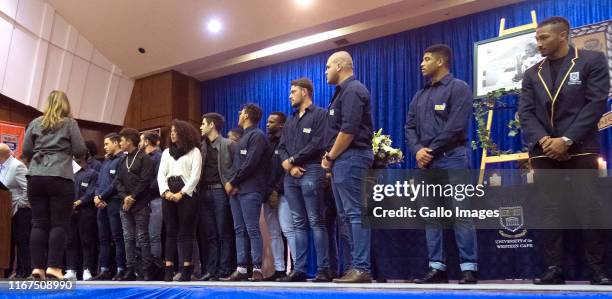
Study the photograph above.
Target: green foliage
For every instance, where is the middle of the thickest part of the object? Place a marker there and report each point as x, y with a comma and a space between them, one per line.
482, 107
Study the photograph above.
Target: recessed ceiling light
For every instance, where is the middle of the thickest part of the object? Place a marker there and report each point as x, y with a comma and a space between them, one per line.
303, 2
214, 26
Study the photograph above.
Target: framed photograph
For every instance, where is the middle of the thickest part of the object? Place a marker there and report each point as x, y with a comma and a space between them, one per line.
501, 62
595, 37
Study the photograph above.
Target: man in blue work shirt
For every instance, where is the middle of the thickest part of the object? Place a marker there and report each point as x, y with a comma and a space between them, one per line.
436, 128
348, 141
82, 232
149, 143
109, 205
247, 188
301, 149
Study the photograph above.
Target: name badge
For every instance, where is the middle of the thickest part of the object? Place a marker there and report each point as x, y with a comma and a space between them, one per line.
276, 152
113, 171
243, 152
574, 79
331, 112
307, 130
83, 184
440, 107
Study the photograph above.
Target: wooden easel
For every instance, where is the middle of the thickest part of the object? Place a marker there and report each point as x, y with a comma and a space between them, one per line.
486, 159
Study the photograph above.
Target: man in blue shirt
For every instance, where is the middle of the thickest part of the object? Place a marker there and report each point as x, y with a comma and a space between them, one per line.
109, 205
247, 188
436, 128
149, 143
301, 149
81, 239
348, 142
276, 209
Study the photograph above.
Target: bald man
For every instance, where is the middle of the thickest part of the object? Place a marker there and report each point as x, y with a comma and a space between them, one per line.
348, 141
13, 176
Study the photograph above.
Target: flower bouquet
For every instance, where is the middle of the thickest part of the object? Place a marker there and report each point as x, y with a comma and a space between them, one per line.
384, 154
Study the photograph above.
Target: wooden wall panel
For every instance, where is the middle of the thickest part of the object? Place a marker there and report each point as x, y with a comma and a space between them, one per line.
194, 103
156, 96
158, 99
180, 90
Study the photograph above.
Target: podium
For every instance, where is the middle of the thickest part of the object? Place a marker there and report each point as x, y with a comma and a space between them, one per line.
5, 230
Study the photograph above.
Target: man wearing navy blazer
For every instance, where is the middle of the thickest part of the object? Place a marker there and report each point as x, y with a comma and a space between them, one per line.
562, 99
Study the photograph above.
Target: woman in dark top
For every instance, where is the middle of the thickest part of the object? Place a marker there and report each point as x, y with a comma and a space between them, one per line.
178, 176
50, 142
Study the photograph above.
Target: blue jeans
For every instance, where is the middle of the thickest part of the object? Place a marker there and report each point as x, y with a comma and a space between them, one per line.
465, 234
347, 180
109, 226
285, 220
246, 209
339, 238
280, 220
305, 198
155, 228
215, 238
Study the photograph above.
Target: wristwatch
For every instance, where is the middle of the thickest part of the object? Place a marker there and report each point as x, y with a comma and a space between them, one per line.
328, 158
567, 141
291, 160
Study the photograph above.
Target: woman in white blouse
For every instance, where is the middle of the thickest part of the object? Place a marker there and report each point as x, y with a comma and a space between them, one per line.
178, 176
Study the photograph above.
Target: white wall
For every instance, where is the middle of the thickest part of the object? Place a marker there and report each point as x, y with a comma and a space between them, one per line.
40, 52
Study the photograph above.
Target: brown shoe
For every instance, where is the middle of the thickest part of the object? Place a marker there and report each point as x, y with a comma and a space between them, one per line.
257, 276
236, 276
354, 276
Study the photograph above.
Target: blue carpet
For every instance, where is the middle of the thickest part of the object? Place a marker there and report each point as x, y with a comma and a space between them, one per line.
138, 292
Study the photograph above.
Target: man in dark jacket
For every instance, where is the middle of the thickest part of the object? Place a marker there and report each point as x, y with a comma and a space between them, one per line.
108, 204
134, 177
562, 99
215, 230
82, 232
247, 188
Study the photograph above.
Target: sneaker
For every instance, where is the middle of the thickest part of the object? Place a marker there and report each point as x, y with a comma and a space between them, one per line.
87, 275
70, 275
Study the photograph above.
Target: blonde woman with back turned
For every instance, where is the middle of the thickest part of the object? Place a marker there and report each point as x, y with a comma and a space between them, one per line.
50, 142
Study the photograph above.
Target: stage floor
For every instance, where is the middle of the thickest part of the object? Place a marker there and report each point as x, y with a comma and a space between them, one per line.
247, 290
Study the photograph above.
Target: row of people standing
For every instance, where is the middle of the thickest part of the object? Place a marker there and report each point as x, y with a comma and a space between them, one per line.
436, 129
124, 187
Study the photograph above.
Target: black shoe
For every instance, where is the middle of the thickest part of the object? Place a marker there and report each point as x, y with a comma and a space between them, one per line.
208, 277
103, 275
468, 277
118, 275
186, 273
168, 273
599, 277
433, 276
554, 275
322, 276
295, 276
129, 275
276, 275
150, 274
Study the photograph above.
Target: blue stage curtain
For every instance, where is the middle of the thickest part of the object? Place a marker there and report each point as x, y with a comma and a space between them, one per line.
389, 67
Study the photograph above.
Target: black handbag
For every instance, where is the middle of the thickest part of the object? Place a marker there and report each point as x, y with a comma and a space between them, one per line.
175, 184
